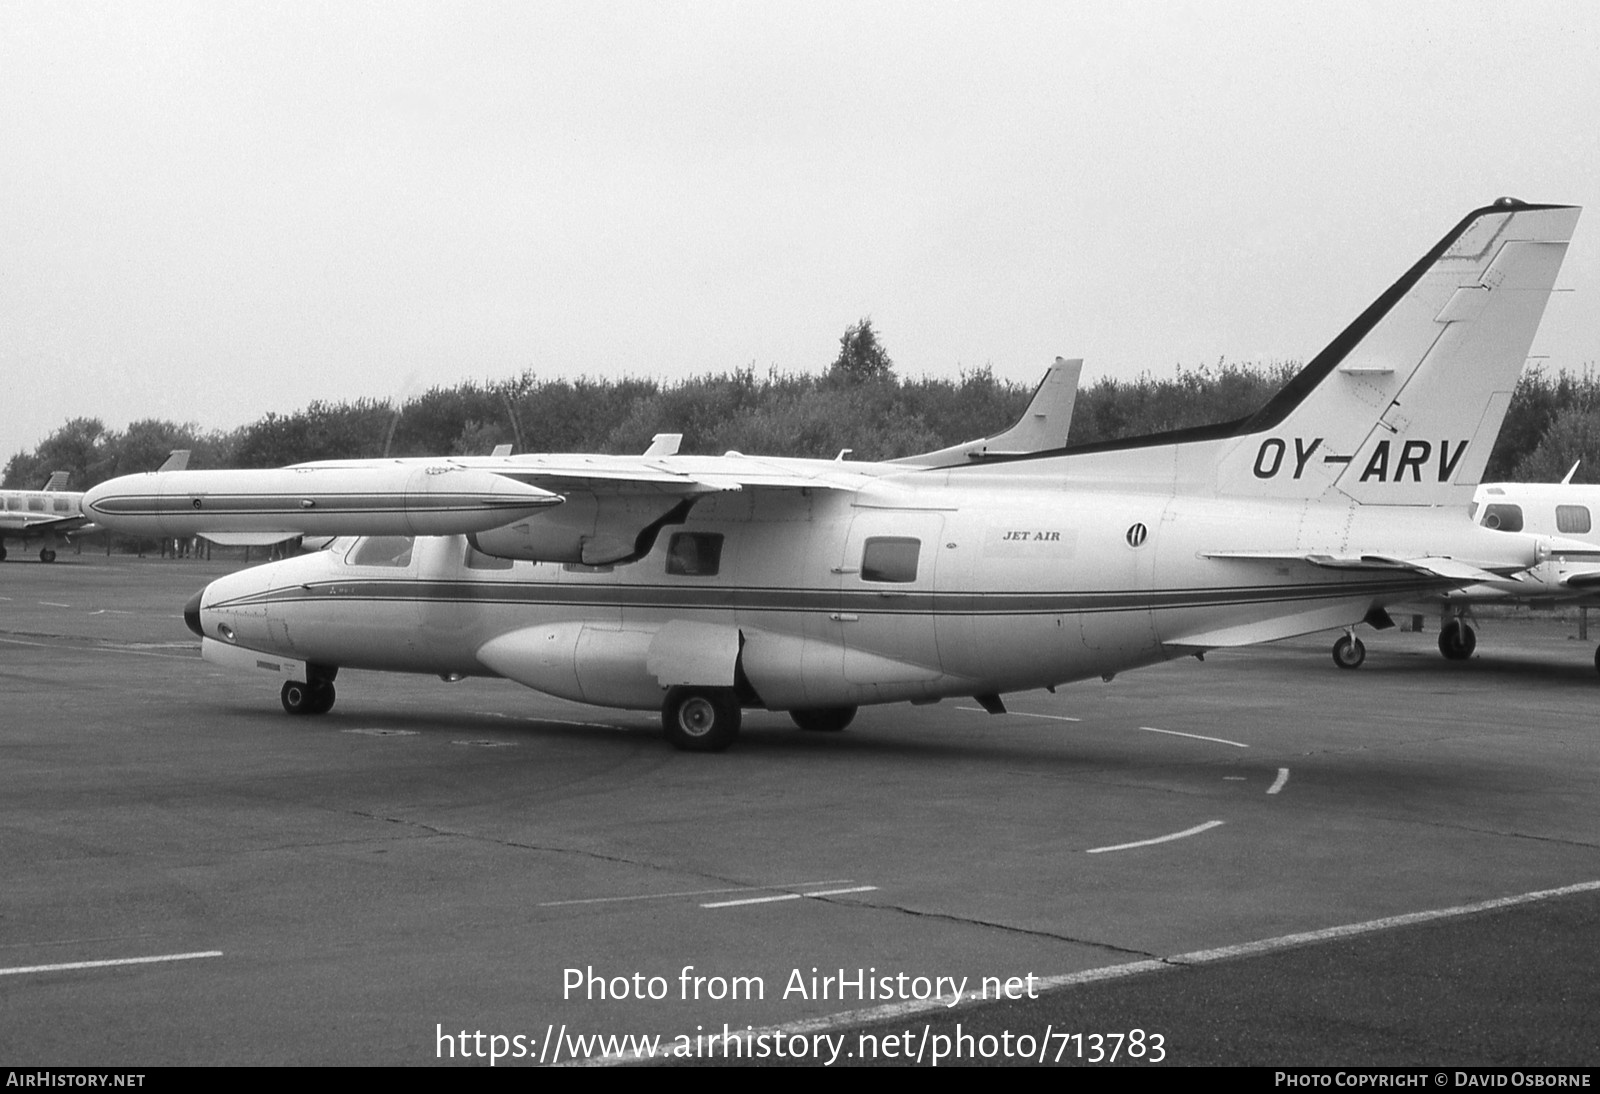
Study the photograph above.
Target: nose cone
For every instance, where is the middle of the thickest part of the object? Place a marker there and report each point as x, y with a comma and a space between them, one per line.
191, 614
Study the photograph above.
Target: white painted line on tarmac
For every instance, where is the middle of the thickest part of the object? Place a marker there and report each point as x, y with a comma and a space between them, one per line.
53, 604
944, 1004
1025, 714
1350, 930
383, 732
1195, 831
1193, 736
102, 649
67, 966
789, 896
692, 892
1283, 777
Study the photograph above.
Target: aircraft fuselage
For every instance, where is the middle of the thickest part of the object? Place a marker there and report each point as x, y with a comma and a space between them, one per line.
827, 600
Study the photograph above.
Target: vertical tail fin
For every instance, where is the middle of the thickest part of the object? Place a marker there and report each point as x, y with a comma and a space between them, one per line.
1043, 425
1403, 407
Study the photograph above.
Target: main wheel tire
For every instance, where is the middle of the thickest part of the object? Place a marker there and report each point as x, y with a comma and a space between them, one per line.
823, 719
700, 719
1457, 640
1348, 652
46, 555
298, 697
322, 697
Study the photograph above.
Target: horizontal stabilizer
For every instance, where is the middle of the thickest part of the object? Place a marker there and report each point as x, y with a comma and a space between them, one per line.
1450, 569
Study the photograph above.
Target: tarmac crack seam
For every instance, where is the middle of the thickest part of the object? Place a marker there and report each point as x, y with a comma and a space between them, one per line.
513, 844
1562, 841
990, 924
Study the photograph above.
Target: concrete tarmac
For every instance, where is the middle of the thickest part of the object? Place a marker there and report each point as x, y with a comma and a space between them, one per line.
435, 872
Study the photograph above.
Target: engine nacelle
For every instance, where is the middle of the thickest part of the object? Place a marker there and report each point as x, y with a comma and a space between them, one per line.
588, 529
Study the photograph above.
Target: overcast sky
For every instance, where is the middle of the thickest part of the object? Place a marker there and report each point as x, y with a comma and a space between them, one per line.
212, 210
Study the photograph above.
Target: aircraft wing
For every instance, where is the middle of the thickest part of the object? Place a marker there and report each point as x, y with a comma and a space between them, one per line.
37, 524
654, 473
591, 509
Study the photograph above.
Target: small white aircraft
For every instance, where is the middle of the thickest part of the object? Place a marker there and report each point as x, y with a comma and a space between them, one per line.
704, 585
49, 515
1563, 516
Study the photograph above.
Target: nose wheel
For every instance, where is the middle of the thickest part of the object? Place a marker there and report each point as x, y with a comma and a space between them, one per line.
303, 698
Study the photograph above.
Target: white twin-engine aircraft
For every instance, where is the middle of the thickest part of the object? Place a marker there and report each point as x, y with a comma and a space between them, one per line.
49, 515
1568, 572
701, 585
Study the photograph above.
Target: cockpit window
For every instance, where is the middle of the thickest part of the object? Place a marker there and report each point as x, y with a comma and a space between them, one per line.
1503, 516
1572, 519
381, 551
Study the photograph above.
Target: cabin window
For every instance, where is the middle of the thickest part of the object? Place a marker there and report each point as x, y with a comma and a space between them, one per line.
381, 551
477, 560
1503, 516
13, 503
36, 505
62, 505
1572, 519
890, 558
694, 554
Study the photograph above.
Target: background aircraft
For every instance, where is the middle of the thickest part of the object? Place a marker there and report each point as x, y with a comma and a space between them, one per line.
47, 515
1568, 572
701, 585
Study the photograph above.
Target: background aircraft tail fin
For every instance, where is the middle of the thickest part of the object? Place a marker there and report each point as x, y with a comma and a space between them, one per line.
1043, 425
1404, 406
58, 480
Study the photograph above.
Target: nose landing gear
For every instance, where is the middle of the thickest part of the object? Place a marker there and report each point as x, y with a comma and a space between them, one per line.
314, 696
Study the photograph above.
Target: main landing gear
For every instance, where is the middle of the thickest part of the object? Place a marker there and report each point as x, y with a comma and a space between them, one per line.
823, 719
1348, 652
1457, 640
47, 554
707, 719
701, 719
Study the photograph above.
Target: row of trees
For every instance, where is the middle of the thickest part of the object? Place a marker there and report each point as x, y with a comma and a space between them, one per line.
859, 403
